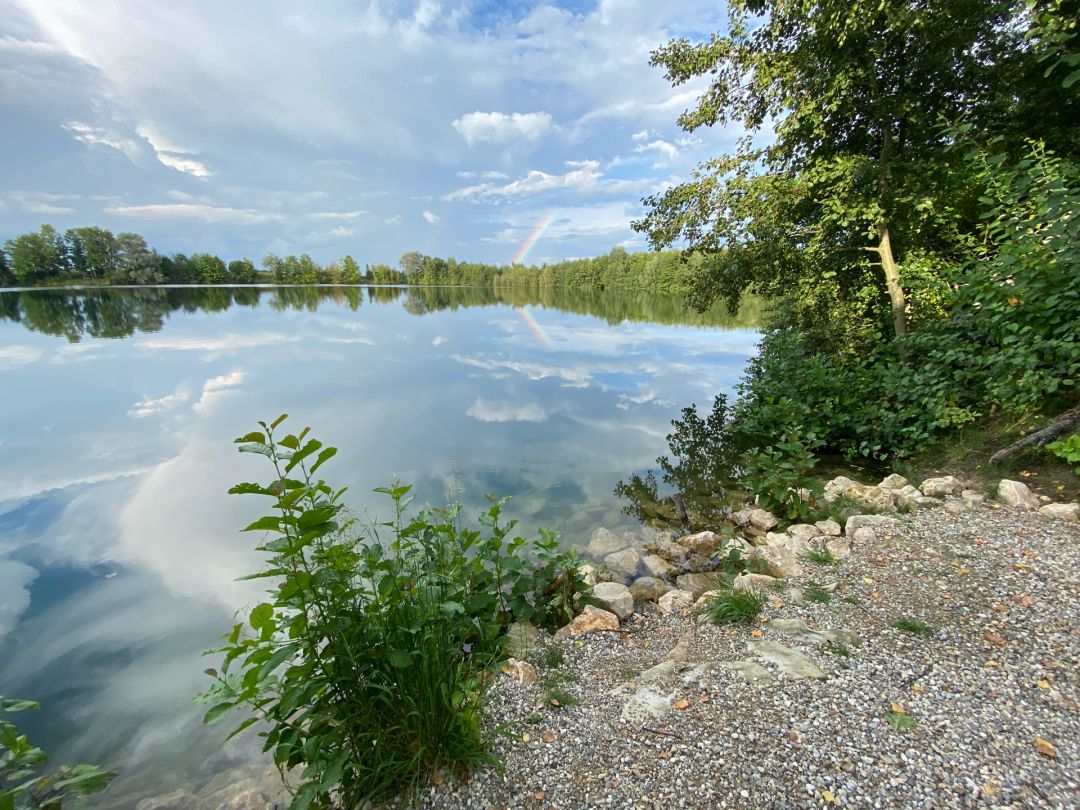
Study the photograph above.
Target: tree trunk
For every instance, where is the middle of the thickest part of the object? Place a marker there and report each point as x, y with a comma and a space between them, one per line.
892, 282
1040, 437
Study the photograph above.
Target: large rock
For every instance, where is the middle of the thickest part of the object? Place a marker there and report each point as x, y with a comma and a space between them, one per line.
590, 620
804, 531
840, 547
763, 521
754, 582
829, 527
614, 597
1015, 493
790, 661
875, 522
675, 601
973, 496
604, 542
940, 487
893, 481
625, 563
648, 589
862, 535
837, 487
777, 560
1062, 511
697, 584
795, 545
701, 543
657, 566
669, 550
883, 500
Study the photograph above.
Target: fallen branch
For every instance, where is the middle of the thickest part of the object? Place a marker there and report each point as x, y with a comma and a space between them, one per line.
1040, 437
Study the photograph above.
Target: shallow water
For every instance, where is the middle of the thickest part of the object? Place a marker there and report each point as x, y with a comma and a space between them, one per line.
119, 547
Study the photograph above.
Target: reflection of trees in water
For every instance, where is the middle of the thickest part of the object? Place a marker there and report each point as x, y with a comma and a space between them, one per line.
702, 467
114, 313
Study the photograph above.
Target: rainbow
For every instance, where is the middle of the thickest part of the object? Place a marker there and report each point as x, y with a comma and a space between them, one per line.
534, 327
533, 237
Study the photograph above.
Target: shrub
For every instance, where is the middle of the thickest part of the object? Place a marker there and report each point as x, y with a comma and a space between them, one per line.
1067, 449
776, 475
368, 663
20, 784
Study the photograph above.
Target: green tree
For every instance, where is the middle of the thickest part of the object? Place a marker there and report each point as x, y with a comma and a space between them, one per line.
275, 266
37, 257
93, 252
242, 271
859, 186
350, 271
307, 269
7, 278
136, 262
209, 269
411, 264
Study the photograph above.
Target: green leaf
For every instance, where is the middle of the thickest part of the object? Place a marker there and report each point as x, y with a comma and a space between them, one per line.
245, 725
257, 447
279, 420
216, 713
13, 705
268, 523
255, 436
261, 615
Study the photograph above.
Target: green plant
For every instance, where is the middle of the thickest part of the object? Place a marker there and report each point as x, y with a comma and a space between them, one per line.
915, 627
780, 474
820, 556
730, 606
1067, 449
836, 648
815, 593
367, 664
554, 656
901, 721
21, 786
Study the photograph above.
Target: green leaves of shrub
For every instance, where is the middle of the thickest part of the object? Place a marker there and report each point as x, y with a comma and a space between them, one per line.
20, 784
365, 668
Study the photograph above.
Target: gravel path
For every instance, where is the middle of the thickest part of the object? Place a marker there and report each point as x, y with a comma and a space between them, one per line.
996, 682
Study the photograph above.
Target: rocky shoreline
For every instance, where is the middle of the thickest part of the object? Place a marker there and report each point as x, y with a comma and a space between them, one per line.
930, 659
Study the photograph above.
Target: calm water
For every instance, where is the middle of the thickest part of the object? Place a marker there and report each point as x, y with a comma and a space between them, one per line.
119, 547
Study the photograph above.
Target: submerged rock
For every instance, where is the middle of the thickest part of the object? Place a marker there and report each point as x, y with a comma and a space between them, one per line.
625, 563
604, 542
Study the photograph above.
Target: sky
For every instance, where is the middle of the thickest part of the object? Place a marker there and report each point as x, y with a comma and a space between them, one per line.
483, 130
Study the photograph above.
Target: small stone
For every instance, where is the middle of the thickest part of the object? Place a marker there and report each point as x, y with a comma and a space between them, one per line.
520, 671
893, 481
701, 543
956, 507
973, 496
625, 563
590, 620
1016, 493
681, 651
614, 597
697, 584
1062, 511
940, 487
605, 542
658, 567
829, 527
648, 589
673, 601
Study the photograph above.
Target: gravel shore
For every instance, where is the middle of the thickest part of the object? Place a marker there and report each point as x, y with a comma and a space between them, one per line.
982, 714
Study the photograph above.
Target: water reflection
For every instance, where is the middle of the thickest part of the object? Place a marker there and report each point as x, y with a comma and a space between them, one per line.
117, 313
119, 549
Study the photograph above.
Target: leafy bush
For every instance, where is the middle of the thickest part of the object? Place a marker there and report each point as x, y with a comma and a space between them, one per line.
20, 784
1067, 449
367, 666
776, 475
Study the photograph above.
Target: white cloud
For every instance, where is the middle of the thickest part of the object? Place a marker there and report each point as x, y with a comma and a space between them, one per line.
394, 220
497, 127
604, 220
439, 341
216, 387
215, 214
500, 411
583, 175
666, 151
430, 218
15, 356
226, 342
485, 175
571, 377
341, 231
15, 579
100, 136
149, 407
184, 164
347, 216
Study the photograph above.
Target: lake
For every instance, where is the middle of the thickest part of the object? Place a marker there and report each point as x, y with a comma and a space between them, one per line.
119, 547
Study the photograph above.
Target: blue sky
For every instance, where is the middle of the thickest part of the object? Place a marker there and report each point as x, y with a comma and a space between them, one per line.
369, 127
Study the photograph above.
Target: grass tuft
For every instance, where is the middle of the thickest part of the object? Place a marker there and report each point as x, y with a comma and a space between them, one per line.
815, 593
730, 606
820, 556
